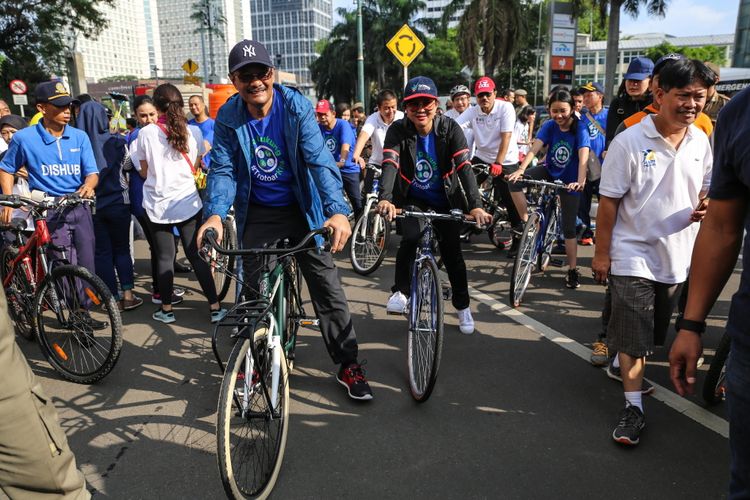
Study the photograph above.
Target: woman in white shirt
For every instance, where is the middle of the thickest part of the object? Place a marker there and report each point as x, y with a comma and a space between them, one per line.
167, 154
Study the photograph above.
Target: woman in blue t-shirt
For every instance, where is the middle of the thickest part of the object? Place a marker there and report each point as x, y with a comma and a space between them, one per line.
567, 143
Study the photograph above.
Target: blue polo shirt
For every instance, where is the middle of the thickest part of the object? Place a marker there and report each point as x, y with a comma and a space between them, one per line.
57, 166
341, 134
427, 184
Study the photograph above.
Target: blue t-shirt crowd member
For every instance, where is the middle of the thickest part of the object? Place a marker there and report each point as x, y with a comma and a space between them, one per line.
339, 140
594, 117
60, 161
206, 125
269, 160
426, 164
567, 141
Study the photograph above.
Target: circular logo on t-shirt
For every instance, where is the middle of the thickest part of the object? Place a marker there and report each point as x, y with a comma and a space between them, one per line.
267, 161
423, 173
331, 144
562, 155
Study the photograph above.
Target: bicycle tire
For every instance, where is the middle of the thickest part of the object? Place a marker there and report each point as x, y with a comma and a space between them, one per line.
98, 348
19, 295
525, 260
550, 236
293, 309
369, 245
714, 384
425, 339
499, 231
218, 261
232, 465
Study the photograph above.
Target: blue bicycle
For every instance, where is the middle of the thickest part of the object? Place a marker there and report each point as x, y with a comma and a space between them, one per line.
539, 235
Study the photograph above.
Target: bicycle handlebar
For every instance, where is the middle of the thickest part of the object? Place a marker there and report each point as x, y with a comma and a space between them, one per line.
454, 215
557, 185
40, 201
209, 241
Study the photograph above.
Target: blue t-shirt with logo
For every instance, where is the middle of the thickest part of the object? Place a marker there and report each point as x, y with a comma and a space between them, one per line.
57, 166
427, 184
341, 134
562, 148
270, 168
597, 139
207, 129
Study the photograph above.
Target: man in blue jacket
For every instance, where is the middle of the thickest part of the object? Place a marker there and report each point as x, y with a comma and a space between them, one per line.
269, 160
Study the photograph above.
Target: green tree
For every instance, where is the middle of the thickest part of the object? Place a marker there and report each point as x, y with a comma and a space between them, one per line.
118, 78
35, 35
592, 21
441, 62
709, 53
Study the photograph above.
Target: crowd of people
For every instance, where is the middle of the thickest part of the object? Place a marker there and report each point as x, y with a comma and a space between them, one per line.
287, 166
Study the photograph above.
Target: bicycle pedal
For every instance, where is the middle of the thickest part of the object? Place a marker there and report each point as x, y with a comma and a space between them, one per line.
556, 263
309, 322
447, 293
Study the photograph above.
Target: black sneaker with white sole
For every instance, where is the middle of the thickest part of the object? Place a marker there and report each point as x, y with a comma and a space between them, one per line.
630, 426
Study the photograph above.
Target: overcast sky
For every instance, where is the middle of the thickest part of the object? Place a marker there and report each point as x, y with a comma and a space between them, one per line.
684, 18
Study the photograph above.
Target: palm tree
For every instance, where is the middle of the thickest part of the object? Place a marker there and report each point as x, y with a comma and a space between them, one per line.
489, 32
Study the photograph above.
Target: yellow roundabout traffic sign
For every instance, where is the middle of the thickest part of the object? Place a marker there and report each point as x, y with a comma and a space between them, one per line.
405, 45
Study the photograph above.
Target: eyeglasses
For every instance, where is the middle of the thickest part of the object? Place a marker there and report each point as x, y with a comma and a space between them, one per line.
417, 104
248, 76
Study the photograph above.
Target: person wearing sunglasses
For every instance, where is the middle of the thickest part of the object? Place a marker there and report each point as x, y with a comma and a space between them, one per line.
426, 164
269, 160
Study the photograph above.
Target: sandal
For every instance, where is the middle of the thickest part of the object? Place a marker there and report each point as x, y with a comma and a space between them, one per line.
129, 305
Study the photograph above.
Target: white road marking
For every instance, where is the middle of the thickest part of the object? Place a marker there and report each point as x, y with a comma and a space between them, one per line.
666, 396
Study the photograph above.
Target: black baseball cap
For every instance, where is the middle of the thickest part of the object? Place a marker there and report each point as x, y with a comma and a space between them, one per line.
14, 121
53, 92
248, 52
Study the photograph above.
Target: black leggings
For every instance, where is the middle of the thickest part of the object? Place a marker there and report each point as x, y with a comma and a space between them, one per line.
501, 190
164, 247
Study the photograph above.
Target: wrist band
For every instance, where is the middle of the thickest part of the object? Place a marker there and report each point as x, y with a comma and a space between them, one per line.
694, 326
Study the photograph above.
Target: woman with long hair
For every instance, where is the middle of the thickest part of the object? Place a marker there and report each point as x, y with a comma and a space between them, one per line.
167, 155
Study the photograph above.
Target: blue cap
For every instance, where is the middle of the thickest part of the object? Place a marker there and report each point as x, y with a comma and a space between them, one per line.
420, 86
592, 87
639, 68
53, 92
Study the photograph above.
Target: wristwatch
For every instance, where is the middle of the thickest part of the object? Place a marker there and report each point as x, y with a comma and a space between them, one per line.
687, 324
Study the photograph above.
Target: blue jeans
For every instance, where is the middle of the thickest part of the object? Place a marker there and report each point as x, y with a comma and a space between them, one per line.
738, 398
112, 230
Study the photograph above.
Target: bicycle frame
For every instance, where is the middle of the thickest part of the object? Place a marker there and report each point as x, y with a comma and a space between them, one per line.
370, 200
35, 246
424, 252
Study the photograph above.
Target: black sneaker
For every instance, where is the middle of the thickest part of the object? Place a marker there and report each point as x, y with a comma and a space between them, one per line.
614, 373
628, 430
353, 378
513, 250
90, 322
573, 278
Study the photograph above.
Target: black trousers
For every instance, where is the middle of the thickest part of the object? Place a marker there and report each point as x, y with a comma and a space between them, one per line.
501, 192
266, 225
448, 235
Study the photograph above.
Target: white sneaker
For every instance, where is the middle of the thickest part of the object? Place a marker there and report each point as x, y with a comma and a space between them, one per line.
396, 304
465, 321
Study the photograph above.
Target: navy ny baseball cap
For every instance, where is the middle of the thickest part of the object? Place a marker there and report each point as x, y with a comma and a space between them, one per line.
639, 68
53, 92
248, 52
420, 86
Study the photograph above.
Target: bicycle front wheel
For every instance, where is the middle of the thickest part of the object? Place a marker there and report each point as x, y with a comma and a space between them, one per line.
221, 262
369, 242
79, 328
251, 430
525, 260
425, 330
19, 294
714, 387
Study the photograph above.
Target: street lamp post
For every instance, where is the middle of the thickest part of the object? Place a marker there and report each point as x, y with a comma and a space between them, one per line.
360, 57
278, 69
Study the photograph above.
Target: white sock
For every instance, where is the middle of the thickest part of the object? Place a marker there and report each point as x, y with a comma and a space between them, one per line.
634, 399
616, 362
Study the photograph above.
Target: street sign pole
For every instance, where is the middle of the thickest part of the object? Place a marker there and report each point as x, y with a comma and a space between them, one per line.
406, 75
360, 58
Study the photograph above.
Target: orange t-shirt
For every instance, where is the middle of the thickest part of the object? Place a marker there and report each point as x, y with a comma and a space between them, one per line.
703, 122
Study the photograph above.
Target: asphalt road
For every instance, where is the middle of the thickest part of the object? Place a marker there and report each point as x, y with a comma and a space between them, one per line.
517, 412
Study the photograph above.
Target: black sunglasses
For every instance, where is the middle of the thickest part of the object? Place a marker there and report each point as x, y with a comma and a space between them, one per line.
251, 76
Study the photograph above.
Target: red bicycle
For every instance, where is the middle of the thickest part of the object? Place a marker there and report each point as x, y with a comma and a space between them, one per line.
69, 310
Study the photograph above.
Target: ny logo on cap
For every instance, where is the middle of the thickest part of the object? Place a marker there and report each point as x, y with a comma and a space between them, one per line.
248, 51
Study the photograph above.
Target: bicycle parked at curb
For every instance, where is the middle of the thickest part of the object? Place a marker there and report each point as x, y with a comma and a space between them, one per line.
539, 235
425, 309
69, 310
253, 408
371, 233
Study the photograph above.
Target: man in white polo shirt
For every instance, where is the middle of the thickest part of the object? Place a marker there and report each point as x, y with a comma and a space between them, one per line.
653, 189
492, 122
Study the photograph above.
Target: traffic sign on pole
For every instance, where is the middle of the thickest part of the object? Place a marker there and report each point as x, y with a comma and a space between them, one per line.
190, 66
18, 87
405, 45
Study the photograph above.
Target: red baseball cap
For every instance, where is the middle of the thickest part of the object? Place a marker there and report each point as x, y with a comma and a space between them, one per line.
323, 106
484, 84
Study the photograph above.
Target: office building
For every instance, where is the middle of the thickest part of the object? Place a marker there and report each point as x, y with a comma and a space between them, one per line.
434, 10
741, 57
290, 29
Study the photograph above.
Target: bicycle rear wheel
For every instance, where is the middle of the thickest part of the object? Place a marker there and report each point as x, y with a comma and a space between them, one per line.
251, 435
220, 262
714, 387
525, 260
550, 236
369, 242
19, 294
425, 330
78, 324
499, 231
